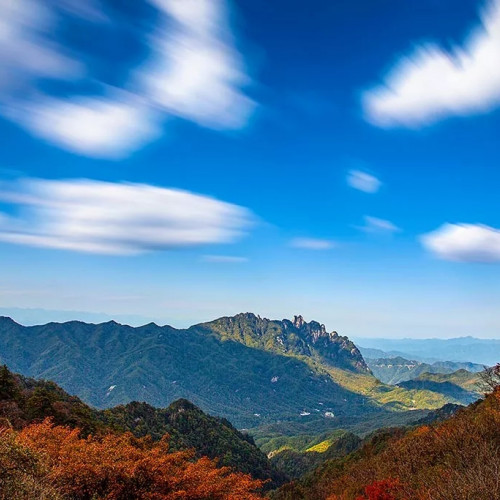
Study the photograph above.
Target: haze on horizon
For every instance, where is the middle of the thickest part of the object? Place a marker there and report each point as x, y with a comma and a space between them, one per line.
181, 160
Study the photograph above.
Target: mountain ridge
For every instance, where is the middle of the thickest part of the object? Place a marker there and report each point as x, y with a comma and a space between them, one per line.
109, 364
248, 369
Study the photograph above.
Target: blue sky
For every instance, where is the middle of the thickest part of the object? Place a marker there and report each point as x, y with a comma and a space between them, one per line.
180, 160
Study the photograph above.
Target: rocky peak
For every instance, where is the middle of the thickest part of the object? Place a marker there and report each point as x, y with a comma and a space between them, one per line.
291, 337
298, 321
312, 331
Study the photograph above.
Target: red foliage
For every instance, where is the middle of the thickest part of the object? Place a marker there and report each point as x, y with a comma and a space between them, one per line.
387, 489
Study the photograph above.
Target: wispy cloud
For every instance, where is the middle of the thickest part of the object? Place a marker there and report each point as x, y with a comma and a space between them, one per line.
116, 218
464, 243
376, 225
313, 243
363, 181
225, 259
26, 53
194, 72
431, 83
102, 127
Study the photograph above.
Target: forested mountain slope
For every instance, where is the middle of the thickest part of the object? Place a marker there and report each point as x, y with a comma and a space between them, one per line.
455, 459
250, 370
24, 401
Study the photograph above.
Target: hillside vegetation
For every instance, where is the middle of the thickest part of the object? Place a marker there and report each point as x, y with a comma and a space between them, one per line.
44, 461
25, 401
455, 459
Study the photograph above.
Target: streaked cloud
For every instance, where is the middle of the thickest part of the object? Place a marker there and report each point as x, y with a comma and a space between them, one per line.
194, 72
225, 259
26, 54
376, 225
99, 127
363, 181
431, 83
116, 218
313, 243
464, 243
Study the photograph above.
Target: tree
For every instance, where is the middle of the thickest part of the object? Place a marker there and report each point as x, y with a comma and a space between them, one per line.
8, 387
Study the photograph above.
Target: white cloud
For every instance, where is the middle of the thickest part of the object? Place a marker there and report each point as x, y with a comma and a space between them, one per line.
376, 225
312, 243
97, 127
25, 51
113, 218
464, 242
194, 72
229, 259
363, 181
431, 84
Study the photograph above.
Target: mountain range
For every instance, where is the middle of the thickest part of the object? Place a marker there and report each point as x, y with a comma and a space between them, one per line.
249, 369
461, 349
397, 369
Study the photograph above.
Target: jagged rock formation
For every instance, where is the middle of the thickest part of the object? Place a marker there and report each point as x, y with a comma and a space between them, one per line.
293, 338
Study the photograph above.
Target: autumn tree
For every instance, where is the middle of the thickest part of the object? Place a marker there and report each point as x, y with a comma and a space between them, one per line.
122, 467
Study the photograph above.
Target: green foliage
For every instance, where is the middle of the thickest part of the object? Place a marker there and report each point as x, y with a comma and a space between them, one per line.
296, 339
188, 427
24, 400
295, 464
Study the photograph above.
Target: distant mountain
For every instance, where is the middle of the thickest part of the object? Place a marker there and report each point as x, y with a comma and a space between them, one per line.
371, 353
245, 368
25, 400
398, 369
436, 416
462, 386
37, 316
468, 349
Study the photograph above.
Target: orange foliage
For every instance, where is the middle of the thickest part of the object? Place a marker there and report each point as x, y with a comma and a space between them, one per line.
457, 459
122, 467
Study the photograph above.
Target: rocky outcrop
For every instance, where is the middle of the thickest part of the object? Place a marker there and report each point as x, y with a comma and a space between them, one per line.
295, 337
